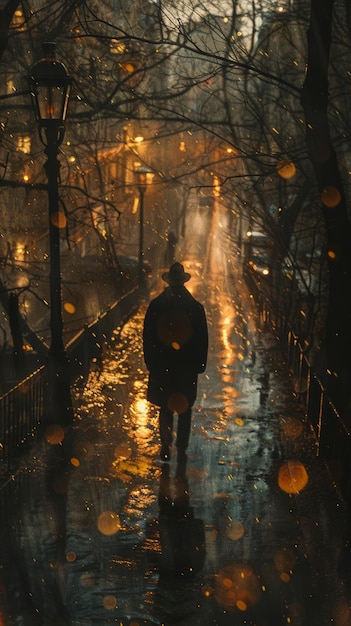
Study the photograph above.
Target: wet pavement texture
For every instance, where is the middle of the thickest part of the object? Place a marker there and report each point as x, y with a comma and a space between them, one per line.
248, 529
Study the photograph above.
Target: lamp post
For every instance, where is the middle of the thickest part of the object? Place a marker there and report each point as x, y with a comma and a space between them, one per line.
50, 87
144, 176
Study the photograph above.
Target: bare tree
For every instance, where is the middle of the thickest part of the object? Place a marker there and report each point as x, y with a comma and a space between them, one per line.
222, 95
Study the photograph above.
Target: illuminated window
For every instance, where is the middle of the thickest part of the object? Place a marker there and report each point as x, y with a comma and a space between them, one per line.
23, 144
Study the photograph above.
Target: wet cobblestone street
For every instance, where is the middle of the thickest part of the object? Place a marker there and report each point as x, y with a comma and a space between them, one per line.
247, 530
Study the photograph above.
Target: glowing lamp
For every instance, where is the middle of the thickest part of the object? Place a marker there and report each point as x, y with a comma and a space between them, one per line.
50, 90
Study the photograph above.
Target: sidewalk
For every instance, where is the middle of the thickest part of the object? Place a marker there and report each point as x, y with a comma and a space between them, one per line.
250, 530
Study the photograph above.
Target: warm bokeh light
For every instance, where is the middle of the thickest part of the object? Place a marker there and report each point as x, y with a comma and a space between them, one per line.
69, 308
292, 427
235, 530
237, 587
292, 477
174, 329
87, 579
330, 197
58, 219
207, 590
333, 252
178, 402
54, 434
109, 602
71, 556
75, 462
342, 613
241, 605
286, 168
284, 560
109, 523
284, 577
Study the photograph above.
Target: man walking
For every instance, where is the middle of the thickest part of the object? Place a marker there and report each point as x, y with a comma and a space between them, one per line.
175, 341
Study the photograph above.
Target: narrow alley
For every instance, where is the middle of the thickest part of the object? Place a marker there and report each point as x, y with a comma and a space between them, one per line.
248, 530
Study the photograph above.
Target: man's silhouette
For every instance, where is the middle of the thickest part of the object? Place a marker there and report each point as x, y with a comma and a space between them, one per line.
175, 341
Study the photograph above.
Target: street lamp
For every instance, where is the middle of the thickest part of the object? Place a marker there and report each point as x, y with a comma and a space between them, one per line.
50, 87
144, 176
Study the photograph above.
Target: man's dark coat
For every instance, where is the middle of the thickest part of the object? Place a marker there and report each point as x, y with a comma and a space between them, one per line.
175, 341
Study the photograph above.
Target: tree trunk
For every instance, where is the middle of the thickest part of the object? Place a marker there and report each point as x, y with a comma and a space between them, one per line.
333, 203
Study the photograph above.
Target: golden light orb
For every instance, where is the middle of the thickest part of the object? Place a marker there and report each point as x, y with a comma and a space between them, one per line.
235, 530
109, 602
109, 523
330, 196
286, 168
292, 477
54, 434
59, 219
69, 308
178, 403
237, 587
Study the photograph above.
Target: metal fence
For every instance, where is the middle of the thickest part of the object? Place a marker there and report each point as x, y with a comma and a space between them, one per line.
22, 408
20, 415
333, 436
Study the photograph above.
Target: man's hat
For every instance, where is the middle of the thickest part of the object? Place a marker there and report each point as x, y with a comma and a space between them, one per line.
176, 275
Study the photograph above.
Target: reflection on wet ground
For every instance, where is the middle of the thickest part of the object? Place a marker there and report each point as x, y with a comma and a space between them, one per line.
248, 529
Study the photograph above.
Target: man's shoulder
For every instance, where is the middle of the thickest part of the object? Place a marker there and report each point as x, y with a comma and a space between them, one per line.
168, 298
161, 297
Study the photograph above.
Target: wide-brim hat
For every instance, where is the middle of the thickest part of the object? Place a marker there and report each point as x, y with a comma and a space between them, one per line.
176, 275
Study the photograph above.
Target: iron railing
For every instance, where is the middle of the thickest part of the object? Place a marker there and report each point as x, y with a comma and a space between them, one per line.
22, 408
333, 436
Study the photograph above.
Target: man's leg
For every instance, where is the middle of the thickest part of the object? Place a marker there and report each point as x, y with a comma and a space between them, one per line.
166, 432
183, 432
